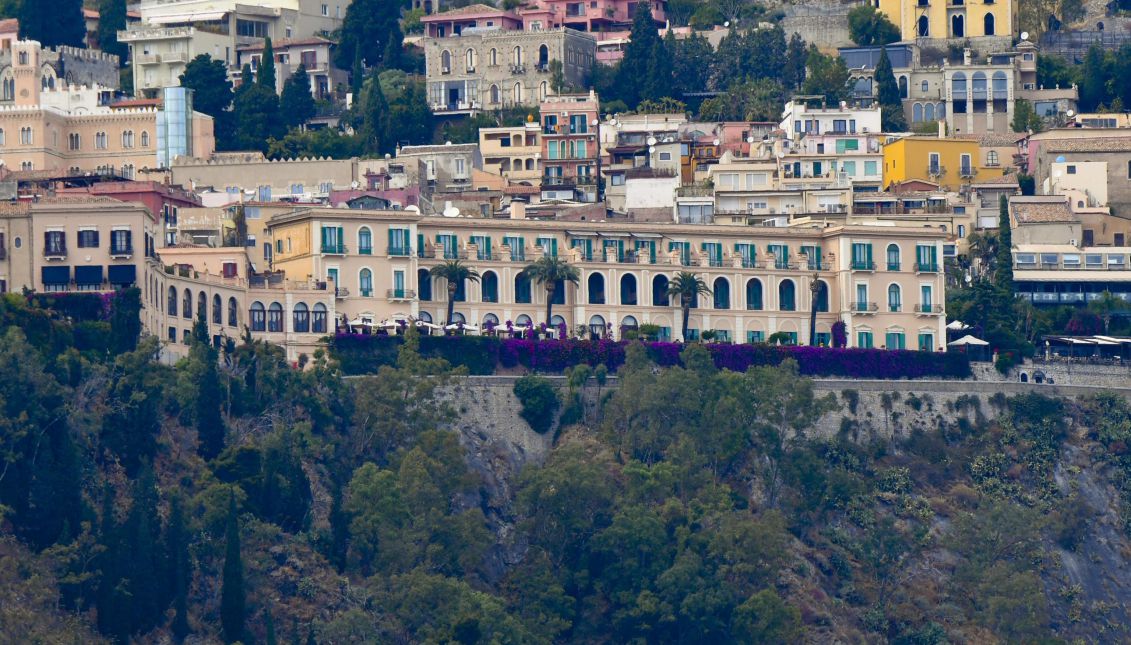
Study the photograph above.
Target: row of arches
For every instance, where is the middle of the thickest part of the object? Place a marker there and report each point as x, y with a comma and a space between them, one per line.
928, 112
596, 292
471, 58
270, 318
957, 26
495, 95
263, 318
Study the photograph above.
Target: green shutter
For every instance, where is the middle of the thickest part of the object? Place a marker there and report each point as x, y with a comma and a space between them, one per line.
324, 244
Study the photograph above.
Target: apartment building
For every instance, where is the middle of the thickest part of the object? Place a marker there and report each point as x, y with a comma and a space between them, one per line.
988, 24
570, 147
885, 282
263, 180
76, 130
173, 32
513, 152
801, 119
591, 16
1061, 156
314, 54
478, 57
753, 189
934, 161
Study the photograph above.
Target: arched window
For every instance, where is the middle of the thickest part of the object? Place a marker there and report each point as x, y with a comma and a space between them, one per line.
929, 112
958, 85
275, 317
172, 308
301, 316
425, 316
494, 94
543, 90
988, 24
893, 257
940, 111
491, 318
596, 326
1000, 85
202, 305
926, 86
660, 296
424, 285
978, 85
628, 289
469, 59
517, 93
957, 26
543, 56
721, 292
516, 56
365, 283
596, 288
127, 138
923, 27
557, 321
490, 284
629, 322
494, 59
822, 296
144, 139
233, 313
916, 113
991, 158
523, 320
522, 289
754, 294
186, 304
895, 298
364, 241
319, 320
445, 62
902, 87
787, 296
529, 164
258, 317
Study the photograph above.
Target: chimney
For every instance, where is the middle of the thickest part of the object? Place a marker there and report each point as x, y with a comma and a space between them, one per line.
966, 56
518, 210
942, 128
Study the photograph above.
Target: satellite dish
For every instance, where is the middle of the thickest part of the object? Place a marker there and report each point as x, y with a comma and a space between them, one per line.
1024, 35
843, 104
651, 149
651, 141
1060, 158
388, 156
451, 211
750, 139
1071, 113
716, 142
354, 184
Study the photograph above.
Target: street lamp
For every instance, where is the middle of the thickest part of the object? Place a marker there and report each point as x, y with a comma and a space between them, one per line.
814, 288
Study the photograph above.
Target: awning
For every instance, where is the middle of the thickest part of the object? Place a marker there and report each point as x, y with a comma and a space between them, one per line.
122, 274
581, 233
958, 325
56, 275
648, 236
613, 234
174, 18
88, 275
968, 340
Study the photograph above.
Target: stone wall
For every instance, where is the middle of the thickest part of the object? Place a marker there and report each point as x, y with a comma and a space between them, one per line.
1060, 373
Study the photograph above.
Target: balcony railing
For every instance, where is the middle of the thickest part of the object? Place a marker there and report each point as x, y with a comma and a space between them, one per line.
365, 250
860, 265
121, 251
400, 294
55, 252
895, 307
930, 267
341, 292
400, 251
928, 309
334, 249
865, 307
893, 266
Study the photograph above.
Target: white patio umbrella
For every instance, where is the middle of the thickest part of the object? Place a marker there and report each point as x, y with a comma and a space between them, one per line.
957, 325
967, 340
358, 322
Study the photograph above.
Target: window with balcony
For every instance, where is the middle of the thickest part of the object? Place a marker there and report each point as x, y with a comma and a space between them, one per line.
333, 240
862, 257
365, 241
926, 258
926, 298
365, 283
787, 296
780, 254
55, 243
895, 298
121, 242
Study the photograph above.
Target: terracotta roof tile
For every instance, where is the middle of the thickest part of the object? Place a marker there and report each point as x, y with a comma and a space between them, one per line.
1114, 144
469, 9
1042, 212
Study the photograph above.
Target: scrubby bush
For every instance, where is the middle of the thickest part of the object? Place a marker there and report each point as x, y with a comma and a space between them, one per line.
539, 402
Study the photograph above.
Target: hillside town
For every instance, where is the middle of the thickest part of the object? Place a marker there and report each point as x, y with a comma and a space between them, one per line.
565, 321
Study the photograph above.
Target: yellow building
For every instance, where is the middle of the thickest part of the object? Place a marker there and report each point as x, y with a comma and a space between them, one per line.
947, 163
951, 19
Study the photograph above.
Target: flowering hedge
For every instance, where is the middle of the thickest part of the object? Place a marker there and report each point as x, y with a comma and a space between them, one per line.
360, 354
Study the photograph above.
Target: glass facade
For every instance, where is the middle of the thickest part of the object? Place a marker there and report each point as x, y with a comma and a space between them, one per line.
174, 125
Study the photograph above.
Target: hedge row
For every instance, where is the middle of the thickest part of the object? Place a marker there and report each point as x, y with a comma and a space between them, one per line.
361, 354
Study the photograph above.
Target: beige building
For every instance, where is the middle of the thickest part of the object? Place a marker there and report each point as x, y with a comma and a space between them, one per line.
758, 186
173, 32
886, 283
263, 180
514, 152
314, 54
75, 130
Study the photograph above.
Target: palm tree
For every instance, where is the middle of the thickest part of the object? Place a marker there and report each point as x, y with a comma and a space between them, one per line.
548, 271
1107, 306
455, 272
687, 286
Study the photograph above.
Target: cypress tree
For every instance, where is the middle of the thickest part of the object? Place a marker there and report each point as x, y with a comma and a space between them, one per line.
206, 382
111, 598
270, 626
143, 568
53, 22
177, 544
375, 118
357, 75
1003, 275
266, 77
125, 320
232, 596
632, 74
111, 19
887, 95
339, 530
296, 105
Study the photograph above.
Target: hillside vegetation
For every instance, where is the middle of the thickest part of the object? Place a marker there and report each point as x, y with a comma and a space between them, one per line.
230, 497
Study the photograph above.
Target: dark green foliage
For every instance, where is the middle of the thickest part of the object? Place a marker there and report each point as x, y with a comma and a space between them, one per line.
633, 78
371, 31
111, 19
375, 134
296, 104
177, 555
793, 72
867, 26
265, 75
233, 599
212, 94
826, 76
1003, 273
201, 374
539, 402
887, 95
257, 118
52, 22
125, 320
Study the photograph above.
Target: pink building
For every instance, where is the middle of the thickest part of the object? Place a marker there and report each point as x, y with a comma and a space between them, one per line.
593, 16
476, 16
570, 148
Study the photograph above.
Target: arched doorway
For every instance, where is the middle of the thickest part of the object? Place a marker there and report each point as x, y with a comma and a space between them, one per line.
628, 289
597, 327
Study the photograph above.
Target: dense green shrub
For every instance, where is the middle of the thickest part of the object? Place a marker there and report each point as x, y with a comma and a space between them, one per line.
539, 402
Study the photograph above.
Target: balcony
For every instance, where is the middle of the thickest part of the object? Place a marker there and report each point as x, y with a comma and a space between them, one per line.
865, 307
341, 292
394, 295
333, 249
895, 307
860, 265
365, 250
929, 310
893, 266
55, 252
926, 268
400, 251
121, 251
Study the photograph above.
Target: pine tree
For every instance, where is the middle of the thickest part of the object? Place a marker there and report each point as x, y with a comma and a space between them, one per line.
177, 545
53, 22
232, 595
296, 105
793, 72
111, 19
208, 395
357, 75
266, 77
632, 74
887, 95
143, 564
375, 120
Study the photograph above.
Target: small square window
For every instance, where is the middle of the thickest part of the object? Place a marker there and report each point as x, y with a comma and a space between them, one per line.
1072, 170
